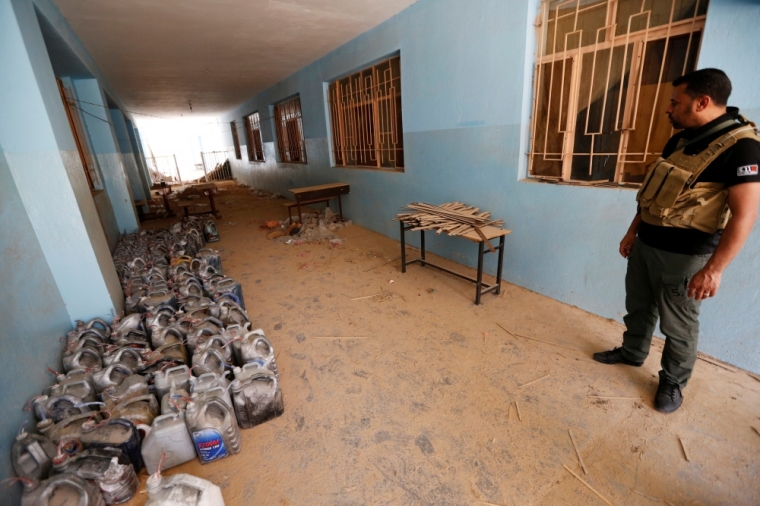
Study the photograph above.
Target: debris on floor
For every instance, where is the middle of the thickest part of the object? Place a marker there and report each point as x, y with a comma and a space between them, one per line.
263, 194
314, 227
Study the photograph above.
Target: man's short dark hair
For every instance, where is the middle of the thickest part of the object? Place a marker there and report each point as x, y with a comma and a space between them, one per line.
711, 82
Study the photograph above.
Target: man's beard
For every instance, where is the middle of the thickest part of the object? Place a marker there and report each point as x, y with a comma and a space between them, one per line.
675, 123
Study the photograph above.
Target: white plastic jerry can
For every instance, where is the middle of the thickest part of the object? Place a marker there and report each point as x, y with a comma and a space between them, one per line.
167, 436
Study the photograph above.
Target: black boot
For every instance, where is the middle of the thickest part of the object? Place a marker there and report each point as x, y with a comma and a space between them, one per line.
668, 398
615, 356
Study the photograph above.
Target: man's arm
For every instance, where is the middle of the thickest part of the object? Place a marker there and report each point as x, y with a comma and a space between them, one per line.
743, 200
626, 245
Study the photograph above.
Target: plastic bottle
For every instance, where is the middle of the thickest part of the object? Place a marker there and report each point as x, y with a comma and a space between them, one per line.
167, 436
256, 395
179, 376
63, 489
32, 456
213, 427
182, 490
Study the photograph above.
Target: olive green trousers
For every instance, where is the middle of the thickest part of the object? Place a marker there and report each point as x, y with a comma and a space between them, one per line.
655, 287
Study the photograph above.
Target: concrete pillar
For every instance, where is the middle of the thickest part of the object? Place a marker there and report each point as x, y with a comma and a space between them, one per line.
107, 153
140, 190
41, 156
139, 158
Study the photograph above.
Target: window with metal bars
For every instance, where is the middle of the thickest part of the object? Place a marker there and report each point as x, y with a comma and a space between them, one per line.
365, 116
289, 126
253, 137
602, 84
236, 140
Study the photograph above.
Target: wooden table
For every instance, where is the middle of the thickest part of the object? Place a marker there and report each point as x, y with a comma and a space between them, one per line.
165, 190
488, 232
207, 189
320, 193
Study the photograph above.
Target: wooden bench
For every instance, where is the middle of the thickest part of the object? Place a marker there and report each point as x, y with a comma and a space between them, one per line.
316, 194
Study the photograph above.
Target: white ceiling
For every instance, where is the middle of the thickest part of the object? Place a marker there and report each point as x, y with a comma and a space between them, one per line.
158, 54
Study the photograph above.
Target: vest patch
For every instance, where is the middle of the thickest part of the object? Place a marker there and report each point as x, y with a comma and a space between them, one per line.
747, 170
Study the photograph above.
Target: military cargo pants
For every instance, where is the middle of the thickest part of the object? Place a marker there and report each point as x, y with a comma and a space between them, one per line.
655, 286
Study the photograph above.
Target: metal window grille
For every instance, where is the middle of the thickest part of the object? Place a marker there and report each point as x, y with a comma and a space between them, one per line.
80, 138
365, 115
289, 125
236, 140
602, 84
253, 136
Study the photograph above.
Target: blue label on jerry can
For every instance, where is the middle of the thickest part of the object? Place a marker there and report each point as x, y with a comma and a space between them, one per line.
209, 444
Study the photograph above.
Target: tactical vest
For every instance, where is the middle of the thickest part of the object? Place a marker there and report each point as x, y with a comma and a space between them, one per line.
670, 197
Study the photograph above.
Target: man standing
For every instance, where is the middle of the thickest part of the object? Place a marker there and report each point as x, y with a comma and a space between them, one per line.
697, 206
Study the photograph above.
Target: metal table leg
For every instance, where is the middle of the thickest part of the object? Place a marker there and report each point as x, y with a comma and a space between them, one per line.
479, 282
500, 264
422, 248
403, 247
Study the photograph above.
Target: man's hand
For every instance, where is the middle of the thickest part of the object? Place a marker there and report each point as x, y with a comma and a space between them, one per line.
704, 284
626, 245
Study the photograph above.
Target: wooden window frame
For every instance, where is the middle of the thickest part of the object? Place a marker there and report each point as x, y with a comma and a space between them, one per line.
80, 136
236, 140
288, 120
632, 44
253, 136
365, 117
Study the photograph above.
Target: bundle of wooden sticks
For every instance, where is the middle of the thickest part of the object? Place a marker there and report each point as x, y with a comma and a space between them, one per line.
453, 218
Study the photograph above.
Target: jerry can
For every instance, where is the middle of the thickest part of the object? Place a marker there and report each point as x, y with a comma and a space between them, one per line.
63, 489
128, 356
182, 490
218, 341
116, 433
108, 468
83, 358
133, 386
59, 407
76, 382
207, 256
211, 381
178, 376
256, 395
111, 376
32, 456
211, 360
68, 428
210, 232
168, 436
228, 286
255, 348
232, 314
213, 426
175, 401
138, 410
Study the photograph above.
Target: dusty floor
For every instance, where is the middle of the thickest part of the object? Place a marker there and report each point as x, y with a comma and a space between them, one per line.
417, 403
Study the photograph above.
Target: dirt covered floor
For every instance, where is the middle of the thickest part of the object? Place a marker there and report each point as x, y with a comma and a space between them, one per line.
399, 390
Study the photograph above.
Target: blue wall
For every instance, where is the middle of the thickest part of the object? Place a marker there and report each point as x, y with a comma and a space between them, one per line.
55, 261
466, 99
